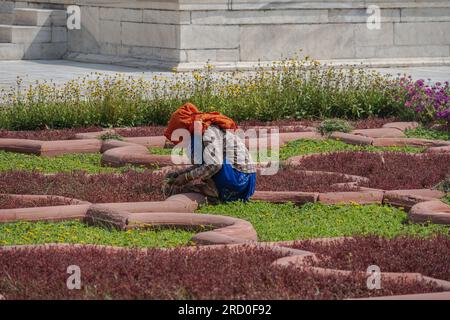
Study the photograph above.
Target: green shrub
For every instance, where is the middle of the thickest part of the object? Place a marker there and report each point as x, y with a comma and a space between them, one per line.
425, 133
327, 127
444, 185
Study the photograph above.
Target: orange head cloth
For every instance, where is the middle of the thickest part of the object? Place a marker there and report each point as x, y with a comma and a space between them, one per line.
185, 116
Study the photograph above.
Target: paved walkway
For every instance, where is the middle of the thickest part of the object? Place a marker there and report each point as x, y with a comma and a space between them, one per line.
62, 70
433, 74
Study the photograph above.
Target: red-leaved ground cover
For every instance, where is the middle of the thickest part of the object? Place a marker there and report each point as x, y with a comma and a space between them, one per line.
66, 134
290, 179
224, 273
97, 188
389, 171
7, 202
430, 257
144, 131
134, 186
47, 135
369, 123
153, 130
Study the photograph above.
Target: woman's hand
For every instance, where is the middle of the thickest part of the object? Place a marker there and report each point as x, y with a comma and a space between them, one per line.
180, 180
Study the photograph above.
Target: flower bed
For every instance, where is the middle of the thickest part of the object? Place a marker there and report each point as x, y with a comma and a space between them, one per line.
127, 187
428, 103
293, 90
223, 273
430, 257
386, 171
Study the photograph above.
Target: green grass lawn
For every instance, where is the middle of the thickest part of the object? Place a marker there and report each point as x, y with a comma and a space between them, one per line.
76, 232
305, 146
89, 162
278, 222
428, 134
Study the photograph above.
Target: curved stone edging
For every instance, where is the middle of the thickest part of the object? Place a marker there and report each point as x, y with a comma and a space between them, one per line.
306, 261
434, 211
133, 155
34, 197
145, 214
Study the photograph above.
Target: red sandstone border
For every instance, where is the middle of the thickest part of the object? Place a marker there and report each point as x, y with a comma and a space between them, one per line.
34, 197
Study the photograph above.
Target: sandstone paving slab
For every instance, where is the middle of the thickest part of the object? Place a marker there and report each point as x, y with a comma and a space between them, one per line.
401, 125
352, 138
438, 149
296, 197
380, 133
365, 197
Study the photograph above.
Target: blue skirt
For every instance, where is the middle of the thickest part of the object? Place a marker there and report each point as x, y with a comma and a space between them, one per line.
234, 185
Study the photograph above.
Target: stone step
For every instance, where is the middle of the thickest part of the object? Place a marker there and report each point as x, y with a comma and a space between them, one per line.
6, 17
11, 51
39, 17
32, 17
6, 6
37, 51
25, 34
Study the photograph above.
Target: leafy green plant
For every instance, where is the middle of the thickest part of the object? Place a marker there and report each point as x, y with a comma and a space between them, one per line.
161, 151
278, 222
444, 185
77, 232
329, 126
425, 133
111, 136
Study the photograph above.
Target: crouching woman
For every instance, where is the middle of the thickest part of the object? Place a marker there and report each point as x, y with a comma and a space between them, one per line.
219, 158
